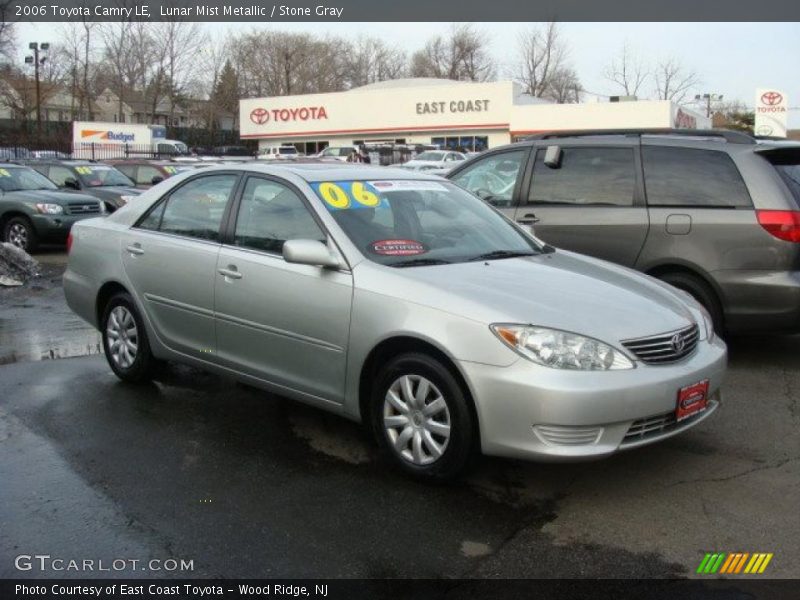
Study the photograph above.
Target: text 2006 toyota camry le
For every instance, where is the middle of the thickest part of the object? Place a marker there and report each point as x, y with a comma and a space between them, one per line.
400, 300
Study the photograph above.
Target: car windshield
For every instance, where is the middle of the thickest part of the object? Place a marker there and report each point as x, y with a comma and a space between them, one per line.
101, 176
15, 179
287, 150
416, 222
430, 156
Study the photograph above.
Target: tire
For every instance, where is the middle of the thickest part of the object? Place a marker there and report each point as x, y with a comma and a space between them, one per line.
436, 447
701, 292
19, 231
131, 359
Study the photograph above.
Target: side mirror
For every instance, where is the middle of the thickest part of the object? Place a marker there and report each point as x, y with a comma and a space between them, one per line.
156, 179
309, 252
552, 157
72, 183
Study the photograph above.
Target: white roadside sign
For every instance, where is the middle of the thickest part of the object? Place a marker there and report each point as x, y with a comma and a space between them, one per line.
771, 111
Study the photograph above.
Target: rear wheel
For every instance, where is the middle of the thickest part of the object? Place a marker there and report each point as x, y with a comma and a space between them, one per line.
701, 292
422, 419
19, 231
125, 340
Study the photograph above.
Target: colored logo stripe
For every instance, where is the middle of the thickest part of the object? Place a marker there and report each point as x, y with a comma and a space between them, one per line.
734, 563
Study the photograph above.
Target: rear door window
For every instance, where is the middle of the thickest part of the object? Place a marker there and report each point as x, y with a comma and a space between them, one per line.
585, 177
194, 209
688, 177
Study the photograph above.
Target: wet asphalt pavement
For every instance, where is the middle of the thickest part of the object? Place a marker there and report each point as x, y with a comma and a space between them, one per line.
243, 483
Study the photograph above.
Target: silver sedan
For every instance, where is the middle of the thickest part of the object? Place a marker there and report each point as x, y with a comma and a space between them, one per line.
399, 300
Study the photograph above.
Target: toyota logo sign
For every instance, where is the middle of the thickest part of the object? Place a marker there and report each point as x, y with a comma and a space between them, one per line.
259, 116
771, 98
677, 342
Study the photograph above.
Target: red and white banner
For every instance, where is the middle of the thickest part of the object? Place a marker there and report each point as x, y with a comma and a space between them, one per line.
771, 110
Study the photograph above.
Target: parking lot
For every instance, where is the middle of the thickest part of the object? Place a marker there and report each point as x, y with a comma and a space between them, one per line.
242, 483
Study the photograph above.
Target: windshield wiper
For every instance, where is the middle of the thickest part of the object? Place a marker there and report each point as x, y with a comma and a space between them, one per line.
420, 262
502, 254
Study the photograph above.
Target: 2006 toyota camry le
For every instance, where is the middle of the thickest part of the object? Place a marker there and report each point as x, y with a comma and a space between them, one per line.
402, 301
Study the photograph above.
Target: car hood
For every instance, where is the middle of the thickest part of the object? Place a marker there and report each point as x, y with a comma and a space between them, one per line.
559, 290
52, 196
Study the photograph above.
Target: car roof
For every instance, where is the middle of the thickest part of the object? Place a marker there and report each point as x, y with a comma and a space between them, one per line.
315, 172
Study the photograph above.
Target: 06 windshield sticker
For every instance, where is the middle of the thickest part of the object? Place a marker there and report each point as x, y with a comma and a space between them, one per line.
398, 247
347, 195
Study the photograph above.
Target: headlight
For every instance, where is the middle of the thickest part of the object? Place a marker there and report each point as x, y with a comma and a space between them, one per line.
50, 209
561, 349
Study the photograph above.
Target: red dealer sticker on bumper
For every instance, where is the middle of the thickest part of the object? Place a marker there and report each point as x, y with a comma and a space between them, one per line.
397, 247
691, 400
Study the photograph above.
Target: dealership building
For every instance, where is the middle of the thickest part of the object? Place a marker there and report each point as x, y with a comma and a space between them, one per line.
448, 114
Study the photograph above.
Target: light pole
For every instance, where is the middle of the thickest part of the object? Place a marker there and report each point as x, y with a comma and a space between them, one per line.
36, 61
708, 98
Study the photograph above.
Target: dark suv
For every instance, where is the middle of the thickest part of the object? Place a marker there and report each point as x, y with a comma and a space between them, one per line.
715, 213
33, 210
100, 180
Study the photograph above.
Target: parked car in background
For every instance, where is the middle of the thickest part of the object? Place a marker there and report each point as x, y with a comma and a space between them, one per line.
277, 152
341, 153
229, 151
147, 173
48, 154
434, 159
100, 180
34, 211
711, 212
400, 300
14, 152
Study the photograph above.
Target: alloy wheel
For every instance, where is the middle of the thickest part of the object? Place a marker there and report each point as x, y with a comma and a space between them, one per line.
416, 419
122, 337
18, 235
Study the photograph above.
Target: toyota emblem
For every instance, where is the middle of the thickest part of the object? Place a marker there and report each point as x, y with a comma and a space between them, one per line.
677, 342
771, 98
259, 116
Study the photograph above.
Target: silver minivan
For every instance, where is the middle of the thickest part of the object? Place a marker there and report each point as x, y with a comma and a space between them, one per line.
715, 213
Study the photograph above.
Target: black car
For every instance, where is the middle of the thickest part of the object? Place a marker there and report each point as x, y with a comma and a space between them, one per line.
100, 180
33, 210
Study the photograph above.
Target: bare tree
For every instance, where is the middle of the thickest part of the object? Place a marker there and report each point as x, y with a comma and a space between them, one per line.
181, 41
673, 82
121, 62
462, 56
565, 87
78, 52
542, 56
626, 71
371, 59
7, 32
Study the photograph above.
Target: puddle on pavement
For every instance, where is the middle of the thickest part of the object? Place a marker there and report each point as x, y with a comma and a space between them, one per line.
30, 344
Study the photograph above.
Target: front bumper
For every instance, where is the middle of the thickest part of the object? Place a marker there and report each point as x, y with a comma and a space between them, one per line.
55, 228
533, 412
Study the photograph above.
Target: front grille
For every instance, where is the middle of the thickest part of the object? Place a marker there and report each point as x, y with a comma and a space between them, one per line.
84, 208
653, 427
568, 436
666, 347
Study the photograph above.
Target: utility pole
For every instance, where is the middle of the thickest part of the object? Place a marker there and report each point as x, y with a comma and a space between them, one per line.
708, 98
36, 62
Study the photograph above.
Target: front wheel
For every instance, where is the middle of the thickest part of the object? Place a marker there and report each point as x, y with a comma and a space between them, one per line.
20, 232
421, 418
125, 341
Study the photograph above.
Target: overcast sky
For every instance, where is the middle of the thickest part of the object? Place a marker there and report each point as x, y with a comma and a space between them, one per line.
731, 58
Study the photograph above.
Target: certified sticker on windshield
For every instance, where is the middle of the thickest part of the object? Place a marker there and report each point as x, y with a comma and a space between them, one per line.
398, 247
404, 185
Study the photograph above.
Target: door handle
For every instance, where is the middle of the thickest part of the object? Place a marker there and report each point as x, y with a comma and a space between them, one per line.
528, 219
135, 249
231, 272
